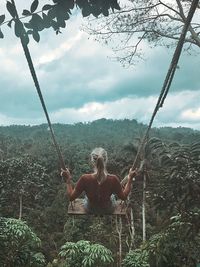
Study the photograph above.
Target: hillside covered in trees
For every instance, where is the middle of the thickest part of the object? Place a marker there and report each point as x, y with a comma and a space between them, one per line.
35, 229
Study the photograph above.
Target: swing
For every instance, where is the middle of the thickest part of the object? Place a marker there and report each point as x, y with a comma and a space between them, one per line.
76, 208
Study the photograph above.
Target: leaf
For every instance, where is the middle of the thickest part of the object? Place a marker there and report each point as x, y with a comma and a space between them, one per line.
58, 31
34, 5
28, 25
80, 3
2, 18
11, 9
1, 34
29, 32
61, 23
105, 12
69, 4
10, 23
26, 12
19, 28
114, 5
54, 25
36, 36
46, 7
37, 22
52, 13
86, 11
96, 11
46, 21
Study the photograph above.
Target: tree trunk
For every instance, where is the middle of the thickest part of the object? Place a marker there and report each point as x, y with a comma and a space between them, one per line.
119, 232
20, 207
132, 229
144, 210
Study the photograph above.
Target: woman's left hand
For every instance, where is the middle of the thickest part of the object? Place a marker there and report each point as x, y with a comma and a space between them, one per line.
66, 174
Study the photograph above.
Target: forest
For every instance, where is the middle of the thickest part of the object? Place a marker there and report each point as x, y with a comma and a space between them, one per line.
35, 229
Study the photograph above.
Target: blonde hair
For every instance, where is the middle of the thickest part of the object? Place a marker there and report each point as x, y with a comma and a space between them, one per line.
99, 159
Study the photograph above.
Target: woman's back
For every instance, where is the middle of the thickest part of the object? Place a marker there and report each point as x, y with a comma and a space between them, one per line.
97, 193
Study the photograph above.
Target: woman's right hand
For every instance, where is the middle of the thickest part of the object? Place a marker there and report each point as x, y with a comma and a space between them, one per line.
132, 173
66, 174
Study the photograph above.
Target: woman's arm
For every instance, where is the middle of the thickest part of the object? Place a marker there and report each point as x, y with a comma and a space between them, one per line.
75, 192
123, 194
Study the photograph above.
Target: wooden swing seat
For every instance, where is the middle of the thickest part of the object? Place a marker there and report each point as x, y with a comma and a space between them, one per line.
76, 208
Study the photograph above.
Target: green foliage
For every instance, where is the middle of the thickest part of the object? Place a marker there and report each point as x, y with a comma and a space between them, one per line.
136, 258
20, 177
19, 245
180, 174
54, 15
85, 254
179, 244
37, 260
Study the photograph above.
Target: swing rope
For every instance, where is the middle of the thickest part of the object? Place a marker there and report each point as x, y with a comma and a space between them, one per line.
168, 79
37, 85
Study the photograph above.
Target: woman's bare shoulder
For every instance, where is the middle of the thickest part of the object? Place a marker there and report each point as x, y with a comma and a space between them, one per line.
112, 177
87, 176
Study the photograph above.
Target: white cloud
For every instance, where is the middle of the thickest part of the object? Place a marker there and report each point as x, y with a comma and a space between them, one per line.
175, 112
124, 108
102, 84
8, 58
138, 108
58, 52
180, 109
191, 114
8, 120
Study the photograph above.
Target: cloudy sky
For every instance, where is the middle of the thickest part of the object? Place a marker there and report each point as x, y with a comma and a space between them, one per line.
80, 82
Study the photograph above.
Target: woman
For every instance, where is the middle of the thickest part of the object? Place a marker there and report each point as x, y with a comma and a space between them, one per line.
98, 186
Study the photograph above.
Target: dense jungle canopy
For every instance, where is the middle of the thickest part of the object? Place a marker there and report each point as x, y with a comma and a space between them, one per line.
47, 236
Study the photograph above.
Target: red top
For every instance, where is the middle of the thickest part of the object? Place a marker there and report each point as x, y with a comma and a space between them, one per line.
98, 193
